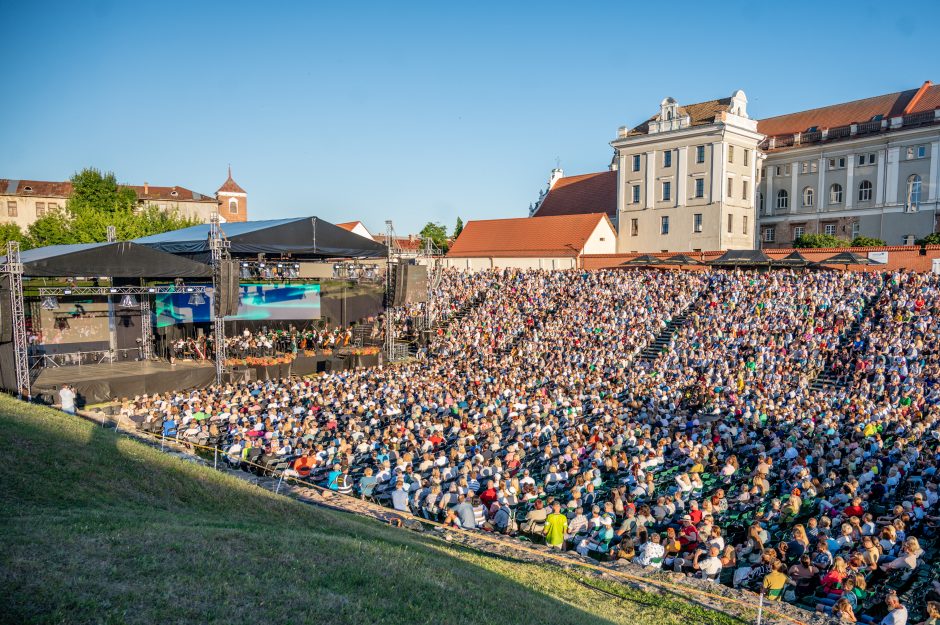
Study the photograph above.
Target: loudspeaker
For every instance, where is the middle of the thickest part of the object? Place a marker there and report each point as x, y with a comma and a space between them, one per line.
411, 285
241, 375
227, 293
6, 312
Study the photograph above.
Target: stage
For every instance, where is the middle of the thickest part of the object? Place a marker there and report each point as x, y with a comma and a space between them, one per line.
99, 383
95, 384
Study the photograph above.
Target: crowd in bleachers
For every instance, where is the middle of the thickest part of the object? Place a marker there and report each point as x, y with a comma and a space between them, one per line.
539, 415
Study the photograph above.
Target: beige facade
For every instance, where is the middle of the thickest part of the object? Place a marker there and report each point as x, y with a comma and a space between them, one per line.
24, 201
687, 178
882, 185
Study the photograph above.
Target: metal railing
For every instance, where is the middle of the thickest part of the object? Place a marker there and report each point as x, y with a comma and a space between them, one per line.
93, 357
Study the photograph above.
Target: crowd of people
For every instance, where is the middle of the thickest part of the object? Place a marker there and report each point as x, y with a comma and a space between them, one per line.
539, 415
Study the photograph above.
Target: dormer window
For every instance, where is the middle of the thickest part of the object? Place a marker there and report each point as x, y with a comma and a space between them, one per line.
28, 189
174, 193
668, 110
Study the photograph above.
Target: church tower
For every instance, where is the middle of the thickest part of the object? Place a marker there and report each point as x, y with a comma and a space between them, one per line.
233, 201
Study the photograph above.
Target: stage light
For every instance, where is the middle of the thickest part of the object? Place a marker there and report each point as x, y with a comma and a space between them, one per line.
151, 290
112, 290
66, 291
245, 265
49, 302
196, 299
128, 301
189, 289
279, 265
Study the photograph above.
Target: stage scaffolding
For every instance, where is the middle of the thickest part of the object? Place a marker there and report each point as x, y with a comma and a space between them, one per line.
13, 268
219, 247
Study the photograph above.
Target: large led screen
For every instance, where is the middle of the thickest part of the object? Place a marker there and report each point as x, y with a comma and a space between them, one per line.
257, 302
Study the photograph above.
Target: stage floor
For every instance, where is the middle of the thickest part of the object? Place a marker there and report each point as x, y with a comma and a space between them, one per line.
99, 383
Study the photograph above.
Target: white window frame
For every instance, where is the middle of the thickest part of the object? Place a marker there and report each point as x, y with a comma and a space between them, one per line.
770, 234
667, 190
835, 193
664, 225
697, 222
809, 197
865, 188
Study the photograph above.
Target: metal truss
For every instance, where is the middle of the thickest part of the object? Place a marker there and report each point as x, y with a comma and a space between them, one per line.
120, 290
14, 269
146, 329
219, 247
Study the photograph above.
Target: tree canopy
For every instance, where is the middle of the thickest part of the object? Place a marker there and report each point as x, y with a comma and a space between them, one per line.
458, 228
862, 241
97, 201
819, 240
437, 233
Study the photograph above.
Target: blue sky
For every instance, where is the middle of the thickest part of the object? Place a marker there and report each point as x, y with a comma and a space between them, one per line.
408, 111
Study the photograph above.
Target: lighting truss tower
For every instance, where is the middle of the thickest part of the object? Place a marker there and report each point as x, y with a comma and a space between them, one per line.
146, 328
14, 270
389, 308
219, 247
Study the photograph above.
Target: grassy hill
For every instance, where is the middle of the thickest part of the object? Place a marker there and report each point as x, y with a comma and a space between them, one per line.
101, 529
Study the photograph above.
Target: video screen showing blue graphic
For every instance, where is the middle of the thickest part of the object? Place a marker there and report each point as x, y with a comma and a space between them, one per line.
257, 302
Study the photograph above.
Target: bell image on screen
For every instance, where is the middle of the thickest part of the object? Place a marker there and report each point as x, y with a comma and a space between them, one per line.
257, 302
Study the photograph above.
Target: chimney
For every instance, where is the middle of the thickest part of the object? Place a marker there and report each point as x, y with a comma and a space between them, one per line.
557, 174
146, 188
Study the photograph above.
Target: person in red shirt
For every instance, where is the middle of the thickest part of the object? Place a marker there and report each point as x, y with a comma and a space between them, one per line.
489, 495
688, 535
855, 509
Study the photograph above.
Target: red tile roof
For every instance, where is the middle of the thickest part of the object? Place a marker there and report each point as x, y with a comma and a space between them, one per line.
700, 113
560, 235
855, 112
578, 195
230, 186
42, 188
349, 225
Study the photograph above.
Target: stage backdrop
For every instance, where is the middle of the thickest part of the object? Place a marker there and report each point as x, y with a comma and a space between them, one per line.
257, 302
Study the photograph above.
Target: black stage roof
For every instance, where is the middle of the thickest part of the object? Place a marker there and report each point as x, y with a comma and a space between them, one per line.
302, 237
123, 259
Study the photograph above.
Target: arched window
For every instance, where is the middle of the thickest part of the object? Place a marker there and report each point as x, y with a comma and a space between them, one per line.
864, 191
783, 199
835, 194
760, 202
233, 205
913, 191
808, 196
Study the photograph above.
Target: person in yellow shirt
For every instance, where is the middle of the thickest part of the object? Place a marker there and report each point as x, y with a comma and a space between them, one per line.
556, 525
775, 581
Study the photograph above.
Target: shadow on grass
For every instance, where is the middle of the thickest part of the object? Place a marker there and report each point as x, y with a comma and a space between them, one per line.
109, 530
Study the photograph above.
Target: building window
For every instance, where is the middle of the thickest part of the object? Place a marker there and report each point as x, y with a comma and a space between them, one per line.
871, 158
804, 167
835, 194
864, 191
829, 229
910, 153
11, 208
760, 202
786, 169
697, 222
837, 163
813, 167
667, 158
667, 191
40, 209
783, 199
744, 226
636, 194
636, 162
747, 157
730, 223
700, 154
53, 206
856, 229
913, 191
744, 189
730, 187
730, 153
808, 196
798, 232
233, 206
664, 225
777, 170
699, 187
909, 239
634, 227
921, 151
770, 234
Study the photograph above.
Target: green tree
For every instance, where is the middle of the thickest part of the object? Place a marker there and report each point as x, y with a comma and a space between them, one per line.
12, 232
53, 228
930, 239
437, 234
862, 241
819, 240
97, 201
458, 228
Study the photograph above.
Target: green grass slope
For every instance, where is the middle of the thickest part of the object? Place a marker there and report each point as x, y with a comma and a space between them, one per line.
98, 528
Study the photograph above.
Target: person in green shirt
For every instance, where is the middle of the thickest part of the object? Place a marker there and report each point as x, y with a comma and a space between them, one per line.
556, 524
